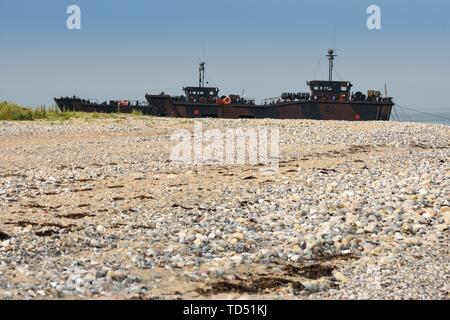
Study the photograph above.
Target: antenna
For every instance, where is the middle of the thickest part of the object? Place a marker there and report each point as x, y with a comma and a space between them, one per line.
334, 38
201, 71
331, 57
204, 51
202, 67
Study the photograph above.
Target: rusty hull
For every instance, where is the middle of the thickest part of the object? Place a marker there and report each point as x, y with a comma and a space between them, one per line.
162, 105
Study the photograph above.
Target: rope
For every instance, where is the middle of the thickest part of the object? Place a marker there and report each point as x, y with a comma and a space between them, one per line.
396, 114
393, 116
317, 67
409, 118
404, 114
399, 114
427, 113
335, 71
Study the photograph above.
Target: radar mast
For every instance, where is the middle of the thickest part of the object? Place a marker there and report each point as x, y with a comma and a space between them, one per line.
331, 57
201, 71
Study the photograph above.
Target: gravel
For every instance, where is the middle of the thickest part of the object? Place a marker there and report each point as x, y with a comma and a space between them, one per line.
93, 210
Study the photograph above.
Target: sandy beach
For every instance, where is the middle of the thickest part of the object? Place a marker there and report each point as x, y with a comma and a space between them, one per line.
96, 210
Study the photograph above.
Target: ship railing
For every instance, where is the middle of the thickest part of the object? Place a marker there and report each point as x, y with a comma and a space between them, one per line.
269, 101
249, 101
131, 103
370, 99
137, 103
91, 101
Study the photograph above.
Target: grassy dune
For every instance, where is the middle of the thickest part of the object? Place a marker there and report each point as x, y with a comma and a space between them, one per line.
13, 112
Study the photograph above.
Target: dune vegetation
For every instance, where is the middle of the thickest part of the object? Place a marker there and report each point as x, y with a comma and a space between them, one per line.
14, 112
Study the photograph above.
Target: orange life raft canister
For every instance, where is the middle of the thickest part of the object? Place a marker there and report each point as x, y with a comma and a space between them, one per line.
227, 100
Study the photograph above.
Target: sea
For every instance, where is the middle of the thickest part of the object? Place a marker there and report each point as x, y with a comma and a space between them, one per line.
434, 115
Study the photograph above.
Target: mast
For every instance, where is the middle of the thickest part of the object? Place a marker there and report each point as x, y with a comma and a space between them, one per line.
331, 57
201, 70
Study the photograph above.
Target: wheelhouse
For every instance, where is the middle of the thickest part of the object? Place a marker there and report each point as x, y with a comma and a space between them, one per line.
201, 93
195, 93
330, 90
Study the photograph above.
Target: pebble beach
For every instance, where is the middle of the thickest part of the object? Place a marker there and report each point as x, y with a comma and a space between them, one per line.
96, 210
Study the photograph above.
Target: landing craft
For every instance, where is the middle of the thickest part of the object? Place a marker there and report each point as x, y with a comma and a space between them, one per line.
113, 106
327, 100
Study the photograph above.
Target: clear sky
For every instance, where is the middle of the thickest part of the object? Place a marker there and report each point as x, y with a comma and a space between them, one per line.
128, 48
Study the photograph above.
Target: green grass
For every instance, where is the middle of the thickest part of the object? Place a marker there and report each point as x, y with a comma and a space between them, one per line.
13, 112
137, 113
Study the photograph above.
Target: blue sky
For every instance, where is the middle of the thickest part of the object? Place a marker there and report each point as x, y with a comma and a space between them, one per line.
128, 48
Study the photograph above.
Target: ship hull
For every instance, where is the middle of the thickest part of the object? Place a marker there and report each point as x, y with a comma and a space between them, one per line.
323, 110
79, 105
160, 105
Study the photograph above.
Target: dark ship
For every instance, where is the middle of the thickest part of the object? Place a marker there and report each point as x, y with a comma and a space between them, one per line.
327, 100
113, 106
